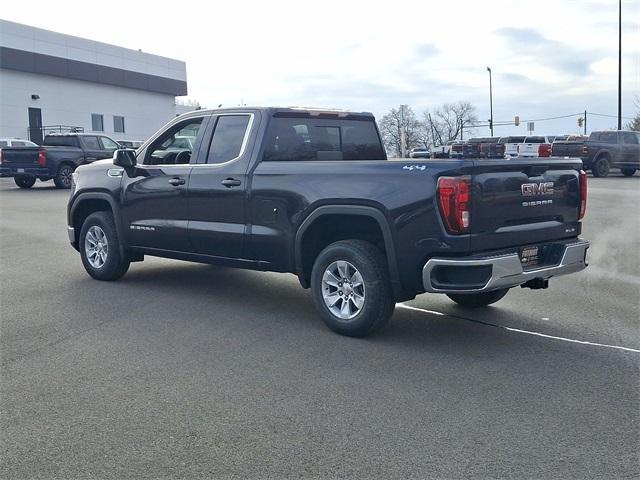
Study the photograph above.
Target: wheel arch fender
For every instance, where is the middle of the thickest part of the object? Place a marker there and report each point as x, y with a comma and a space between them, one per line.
84, 197
356, 210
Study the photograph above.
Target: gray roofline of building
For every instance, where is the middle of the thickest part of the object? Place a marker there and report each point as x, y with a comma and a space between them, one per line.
38, 63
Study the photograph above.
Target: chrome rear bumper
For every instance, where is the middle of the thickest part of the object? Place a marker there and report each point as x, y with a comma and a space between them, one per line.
506, 270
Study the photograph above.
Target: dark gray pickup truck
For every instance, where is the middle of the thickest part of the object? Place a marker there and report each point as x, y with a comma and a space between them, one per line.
311, 192
604, 150
56, 159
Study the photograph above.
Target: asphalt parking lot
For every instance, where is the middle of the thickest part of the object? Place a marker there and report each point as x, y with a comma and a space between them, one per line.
183, 370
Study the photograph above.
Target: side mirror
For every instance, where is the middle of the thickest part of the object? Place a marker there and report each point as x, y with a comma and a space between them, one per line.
125, 157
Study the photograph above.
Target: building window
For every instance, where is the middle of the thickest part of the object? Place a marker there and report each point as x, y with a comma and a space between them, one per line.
97, 122
118, 124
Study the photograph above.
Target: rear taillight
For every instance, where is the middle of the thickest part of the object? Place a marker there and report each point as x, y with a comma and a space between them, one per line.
544, 150
585, 150
583, 194
42, 157
1, 157
454, 196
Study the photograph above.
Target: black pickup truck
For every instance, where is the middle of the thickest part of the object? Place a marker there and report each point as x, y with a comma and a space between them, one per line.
311, 192
56, 159
604, 150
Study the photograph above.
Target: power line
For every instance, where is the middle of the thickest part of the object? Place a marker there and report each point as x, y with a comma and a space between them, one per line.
610, 116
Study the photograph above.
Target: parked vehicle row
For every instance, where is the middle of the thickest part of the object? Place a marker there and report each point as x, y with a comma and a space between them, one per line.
600, 152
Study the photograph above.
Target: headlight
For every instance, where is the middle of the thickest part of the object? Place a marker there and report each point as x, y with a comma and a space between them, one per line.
74, 179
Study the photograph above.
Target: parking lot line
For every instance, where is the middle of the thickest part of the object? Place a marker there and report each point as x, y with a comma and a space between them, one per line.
519, 330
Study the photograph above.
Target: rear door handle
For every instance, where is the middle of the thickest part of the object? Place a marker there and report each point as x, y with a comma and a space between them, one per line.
231, 182
176, 181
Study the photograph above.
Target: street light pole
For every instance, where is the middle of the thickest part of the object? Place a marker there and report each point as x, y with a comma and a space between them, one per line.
619, 64
490, 101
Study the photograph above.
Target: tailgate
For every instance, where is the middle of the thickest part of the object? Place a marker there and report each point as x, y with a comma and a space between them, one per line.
516, 202
20, 157
567, 149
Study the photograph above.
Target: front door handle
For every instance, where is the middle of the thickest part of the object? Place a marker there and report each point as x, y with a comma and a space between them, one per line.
176, 181
231, 182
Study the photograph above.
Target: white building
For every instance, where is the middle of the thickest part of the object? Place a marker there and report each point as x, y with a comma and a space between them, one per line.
55, 82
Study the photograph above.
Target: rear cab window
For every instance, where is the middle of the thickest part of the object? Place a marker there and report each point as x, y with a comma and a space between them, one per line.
309, 138
534, 140
60, 141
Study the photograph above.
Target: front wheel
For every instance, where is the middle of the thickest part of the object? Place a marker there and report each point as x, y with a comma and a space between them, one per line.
63, 177
475, 300
100, 248
628, 172
25, 181
601, 167
351, 288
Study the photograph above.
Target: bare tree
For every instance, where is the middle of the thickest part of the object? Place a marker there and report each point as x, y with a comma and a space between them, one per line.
391, 126
635, 123
450, 121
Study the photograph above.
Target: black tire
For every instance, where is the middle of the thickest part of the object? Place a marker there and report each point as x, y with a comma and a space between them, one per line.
475, 300
115, 265
628, 172
63, 177
25, 181
601, 167
378, 303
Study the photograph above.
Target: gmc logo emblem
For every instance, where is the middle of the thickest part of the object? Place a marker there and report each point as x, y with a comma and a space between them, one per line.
533, 189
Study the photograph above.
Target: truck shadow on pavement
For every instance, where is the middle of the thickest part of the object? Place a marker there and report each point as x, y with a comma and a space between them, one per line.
274, 304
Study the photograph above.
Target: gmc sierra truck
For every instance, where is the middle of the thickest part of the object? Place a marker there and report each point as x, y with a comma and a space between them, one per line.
56, 159
311, 192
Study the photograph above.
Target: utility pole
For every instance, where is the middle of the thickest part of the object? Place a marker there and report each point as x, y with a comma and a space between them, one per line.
619, 64
490, 101
585, 122
402, 133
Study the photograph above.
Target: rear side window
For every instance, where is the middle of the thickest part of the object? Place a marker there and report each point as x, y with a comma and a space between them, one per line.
3, 143
53, 141
228, 137
630, 138
91, 143
304, 138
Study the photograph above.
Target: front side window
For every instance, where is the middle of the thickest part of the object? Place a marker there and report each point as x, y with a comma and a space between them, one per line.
108, 144
228, 137
118, 124
304, 138
97, 122
91, 143
175, 145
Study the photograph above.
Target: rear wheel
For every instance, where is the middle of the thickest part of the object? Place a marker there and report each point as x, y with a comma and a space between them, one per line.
24, 181
475, 300
64, 176
601, 167
351, 288
628, 172
100, 248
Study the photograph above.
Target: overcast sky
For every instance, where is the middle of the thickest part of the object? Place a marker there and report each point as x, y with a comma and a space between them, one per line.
549, 58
